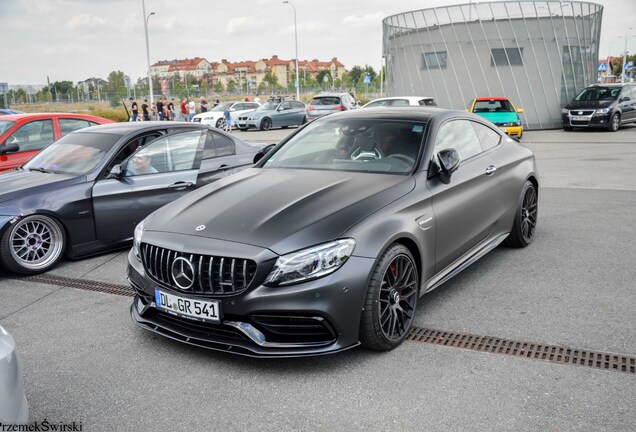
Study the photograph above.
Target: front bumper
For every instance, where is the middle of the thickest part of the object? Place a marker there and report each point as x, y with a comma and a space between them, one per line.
593, 120
244, 123
512, 130
312, 318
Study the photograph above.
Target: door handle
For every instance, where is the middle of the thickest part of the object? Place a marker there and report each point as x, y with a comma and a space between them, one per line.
490, 170
180, 185
224, 167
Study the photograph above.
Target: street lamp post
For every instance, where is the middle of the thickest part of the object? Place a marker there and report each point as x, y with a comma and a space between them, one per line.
297, 83
146, 18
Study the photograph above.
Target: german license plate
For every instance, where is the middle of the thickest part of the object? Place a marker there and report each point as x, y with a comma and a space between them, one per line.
580, 118
202, 310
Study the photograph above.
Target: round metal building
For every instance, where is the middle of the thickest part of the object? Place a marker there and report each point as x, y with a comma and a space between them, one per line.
539, 54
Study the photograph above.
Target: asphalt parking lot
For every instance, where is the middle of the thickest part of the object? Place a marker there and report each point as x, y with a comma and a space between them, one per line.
85, 361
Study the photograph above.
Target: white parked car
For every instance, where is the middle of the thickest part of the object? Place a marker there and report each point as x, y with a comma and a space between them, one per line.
13, 404
401, 101
215, 118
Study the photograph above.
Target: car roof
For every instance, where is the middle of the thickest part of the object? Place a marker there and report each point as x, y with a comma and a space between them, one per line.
489, 98
407, 113
36, 116
412, 98
127, 127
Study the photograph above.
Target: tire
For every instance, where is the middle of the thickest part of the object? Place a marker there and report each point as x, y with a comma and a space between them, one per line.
220, 123
284, 127
391, 299
525, 222
615, 123
266, 124
33, 245
568, 128
520, 135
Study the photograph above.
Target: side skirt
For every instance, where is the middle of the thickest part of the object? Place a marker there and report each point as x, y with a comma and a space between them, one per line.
461, 263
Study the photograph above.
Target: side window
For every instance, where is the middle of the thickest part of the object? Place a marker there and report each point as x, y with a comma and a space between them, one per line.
69, 125
487, 137
400, 102
285, 106
238, 107
460, 135
130, 147
216, 145
34, 135
176, 152
299, 105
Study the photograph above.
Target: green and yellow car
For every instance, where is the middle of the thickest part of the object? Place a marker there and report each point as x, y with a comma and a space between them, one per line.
500, 111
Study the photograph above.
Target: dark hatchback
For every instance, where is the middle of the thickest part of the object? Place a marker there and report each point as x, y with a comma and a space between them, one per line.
601, 106
86, 192
333, 236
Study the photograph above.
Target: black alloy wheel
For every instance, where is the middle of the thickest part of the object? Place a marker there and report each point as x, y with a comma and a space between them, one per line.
525, 222
391, 300
615, 122
266, 124
220, 123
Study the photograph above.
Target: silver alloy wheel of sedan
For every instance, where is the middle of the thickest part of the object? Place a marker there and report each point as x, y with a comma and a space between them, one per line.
35, 244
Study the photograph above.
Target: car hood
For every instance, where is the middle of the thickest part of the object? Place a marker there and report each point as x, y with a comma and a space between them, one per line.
18, 183
280, 209
260, 113
589, 104
500, 117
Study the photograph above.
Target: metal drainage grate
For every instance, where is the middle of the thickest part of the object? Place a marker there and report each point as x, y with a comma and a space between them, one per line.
550, 353
90, 285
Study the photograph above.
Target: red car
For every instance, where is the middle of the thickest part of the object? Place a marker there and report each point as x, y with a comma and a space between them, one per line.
23, 135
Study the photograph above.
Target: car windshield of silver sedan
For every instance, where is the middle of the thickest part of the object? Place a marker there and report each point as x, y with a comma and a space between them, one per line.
221, 107
388, 147
75, 153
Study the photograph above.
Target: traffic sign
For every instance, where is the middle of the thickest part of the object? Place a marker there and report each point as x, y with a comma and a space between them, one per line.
367, 79
628, 65
602, 67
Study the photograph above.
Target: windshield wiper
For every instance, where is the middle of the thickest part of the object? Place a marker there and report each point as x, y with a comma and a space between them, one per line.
42, 170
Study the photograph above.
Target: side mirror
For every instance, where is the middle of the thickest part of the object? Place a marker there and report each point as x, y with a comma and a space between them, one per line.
9, 148
262, 152
116, 172
448, 160
519, 110
625, 99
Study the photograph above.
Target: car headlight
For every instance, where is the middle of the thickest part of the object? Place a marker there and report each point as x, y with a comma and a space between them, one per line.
565, 111
602, 111
139, 230
518, 123
310, 263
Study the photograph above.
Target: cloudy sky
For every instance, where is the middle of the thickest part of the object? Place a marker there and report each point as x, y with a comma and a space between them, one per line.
78, 39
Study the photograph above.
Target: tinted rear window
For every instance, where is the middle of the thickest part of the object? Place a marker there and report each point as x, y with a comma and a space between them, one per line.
328, 100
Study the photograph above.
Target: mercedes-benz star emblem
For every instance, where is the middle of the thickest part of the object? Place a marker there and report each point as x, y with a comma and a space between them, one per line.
183, 273
200, 228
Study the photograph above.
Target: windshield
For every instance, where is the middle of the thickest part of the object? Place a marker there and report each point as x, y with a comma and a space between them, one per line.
493, 106
269, 106
598, 93
75, 153
364, 145
221, 107
5, 125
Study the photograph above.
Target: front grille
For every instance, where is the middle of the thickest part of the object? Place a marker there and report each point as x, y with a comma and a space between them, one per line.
580, 122
581, 112
212, 275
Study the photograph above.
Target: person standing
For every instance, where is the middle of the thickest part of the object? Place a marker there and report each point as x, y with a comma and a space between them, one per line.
160, 109
144, 110
228, 119
192, 109
203, 105
184, 110
134, 110
171, 109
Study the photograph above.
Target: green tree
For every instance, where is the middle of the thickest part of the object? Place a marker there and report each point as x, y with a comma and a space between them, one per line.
231, 86
320, 77
218, 86
271, 80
